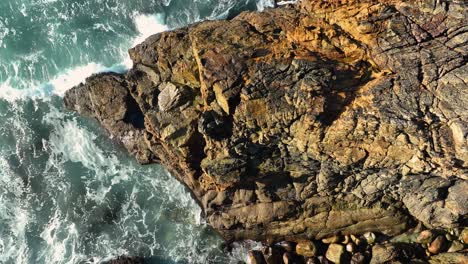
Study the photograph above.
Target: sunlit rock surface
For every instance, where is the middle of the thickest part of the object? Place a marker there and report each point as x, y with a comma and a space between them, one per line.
303, 121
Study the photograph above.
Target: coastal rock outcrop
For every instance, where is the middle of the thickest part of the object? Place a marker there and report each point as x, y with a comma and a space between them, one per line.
305, 121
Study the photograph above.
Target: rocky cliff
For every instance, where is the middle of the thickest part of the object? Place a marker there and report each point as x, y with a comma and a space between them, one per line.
301, 122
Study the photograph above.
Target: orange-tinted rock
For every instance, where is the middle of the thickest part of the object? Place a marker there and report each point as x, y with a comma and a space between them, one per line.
324, 118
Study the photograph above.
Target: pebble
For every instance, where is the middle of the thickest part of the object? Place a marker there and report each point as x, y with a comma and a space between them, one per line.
455, 246
306, 249
335, 253
437, 245
464, 236
331, 240
455, 232
350, 247
346, 240
287, 258
369, 237
425, 237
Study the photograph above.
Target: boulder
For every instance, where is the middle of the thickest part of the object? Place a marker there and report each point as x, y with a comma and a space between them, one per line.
305, 121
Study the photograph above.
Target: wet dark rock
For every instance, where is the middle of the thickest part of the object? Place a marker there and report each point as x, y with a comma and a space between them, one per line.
214, 125
287, 245
273, 255
312, 261
358, 258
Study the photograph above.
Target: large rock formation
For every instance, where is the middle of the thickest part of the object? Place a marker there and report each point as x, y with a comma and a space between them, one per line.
304, 121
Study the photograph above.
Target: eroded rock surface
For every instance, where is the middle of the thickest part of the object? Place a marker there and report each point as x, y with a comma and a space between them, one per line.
304, 121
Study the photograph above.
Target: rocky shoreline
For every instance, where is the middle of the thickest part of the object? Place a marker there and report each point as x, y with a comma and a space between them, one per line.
414, 246
300, 123
426, 246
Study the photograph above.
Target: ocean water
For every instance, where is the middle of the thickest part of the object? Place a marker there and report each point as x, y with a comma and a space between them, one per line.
68, 194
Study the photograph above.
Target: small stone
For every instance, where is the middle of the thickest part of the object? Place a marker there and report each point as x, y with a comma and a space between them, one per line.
358, 242
335, 253
425, 236
346, 240
350, 247
455, 246
383, 253
369, 237
454, 232
288, 246
358, 258
437, 245
306, 249
331, 240
464, 236
256, 257
287, 258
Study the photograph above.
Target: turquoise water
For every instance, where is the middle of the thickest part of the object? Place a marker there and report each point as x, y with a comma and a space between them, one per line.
68, 194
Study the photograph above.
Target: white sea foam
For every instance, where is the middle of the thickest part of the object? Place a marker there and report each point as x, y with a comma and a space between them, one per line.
287, 2
74, 77
263, 4
240, 251
146, 26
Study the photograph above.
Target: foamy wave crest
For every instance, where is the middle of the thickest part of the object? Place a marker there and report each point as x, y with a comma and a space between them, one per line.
263, 4
146, 25
240, 251
73, 77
